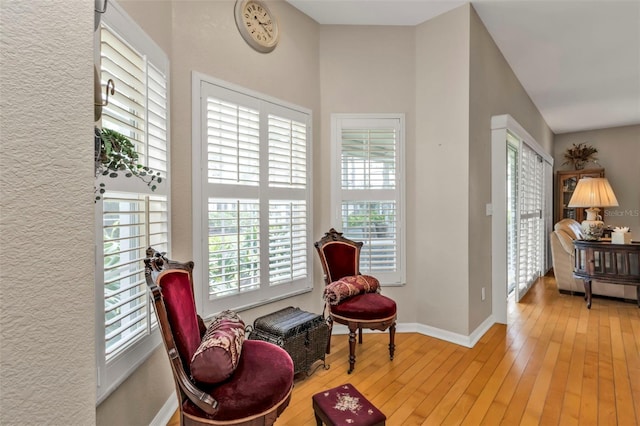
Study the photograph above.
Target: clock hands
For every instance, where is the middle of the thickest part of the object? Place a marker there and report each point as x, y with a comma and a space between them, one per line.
265, 26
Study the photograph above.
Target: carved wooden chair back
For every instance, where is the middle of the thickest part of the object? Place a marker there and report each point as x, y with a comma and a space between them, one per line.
339, 256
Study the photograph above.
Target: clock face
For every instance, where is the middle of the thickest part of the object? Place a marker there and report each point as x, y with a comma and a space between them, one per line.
257, 25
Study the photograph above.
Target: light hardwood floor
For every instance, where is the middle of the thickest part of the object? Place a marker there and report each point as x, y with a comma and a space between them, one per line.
555, 363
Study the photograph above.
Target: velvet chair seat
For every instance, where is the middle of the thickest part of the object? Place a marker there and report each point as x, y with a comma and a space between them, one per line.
243, 395
366, 306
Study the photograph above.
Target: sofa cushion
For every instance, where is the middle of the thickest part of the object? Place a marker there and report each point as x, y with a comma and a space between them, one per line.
570, 227
218, 355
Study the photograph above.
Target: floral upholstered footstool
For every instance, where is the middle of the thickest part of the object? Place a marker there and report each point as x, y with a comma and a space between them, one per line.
345, 406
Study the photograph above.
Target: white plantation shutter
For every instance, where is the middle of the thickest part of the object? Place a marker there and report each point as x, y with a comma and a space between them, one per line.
512, 210
256, 222
369, 158
368, 195
526, 220
531, 221
126, 110
157, 120
233, 143
373, 223
288, 242
131, 222
234, 246
287, 152
131, 214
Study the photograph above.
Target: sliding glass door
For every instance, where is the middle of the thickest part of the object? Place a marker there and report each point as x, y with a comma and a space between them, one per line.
525, 216
521, 205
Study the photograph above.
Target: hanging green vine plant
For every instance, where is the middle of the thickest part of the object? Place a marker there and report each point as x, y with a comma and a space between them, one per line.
115, 154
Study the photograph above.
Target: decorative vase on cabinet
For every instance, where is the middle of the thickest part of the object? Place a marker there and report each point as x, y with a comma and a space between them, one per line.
566, 184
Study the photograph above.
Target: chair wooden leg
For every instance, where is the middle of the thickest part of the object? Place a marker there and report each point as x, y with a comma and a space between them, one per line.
352, 347
360, 335
392, 335
330, 324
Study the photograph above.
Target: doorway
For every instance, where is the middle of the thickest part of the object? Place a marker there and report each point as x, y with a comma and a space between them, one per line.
521, 211
525, 219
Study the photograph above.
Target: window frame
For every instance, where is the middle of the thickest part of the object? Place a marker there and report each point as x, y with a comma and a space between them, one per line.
339, 121
206, 307
110, 374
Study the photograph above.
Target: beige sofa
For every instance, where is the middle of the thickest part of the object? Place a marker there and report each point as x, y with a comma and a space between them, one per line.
562, 252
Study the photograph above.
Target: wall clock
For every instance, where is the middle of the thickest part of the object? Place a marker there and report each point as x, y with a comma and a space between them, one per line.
257, 25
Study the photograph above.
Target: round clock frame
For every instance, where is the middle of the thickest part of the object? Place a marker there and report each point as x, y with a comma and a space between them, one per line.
257, 25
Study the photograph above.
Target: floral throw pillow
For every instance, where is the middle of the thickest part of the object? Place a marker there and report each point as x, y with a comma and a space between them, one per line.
218, 355
350, 286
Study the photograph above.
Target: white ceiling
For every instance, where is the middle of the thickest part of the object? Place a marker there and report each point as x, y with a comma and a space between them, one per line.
579, 60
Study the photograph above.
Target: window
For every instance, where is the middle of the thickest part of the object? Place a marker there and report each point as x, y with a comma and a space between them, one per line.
367, 189
130, 216
252, 197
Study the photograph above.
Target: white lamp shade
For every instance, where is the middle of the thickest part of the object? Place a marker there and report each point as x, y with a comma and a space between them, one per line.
593, 192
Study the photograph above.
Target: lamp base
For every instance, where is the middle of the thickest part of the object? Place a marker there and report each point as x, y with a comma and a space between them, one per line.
592, 226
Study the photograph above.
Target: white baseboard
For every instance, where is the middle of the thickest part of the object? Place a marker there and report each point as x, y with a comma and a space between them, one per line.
449, 336
165, 413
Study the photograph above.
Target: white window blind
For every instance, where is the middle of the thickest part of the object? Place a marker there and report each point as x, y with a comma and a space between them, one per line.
132, 214
232, 143
531, 221
525, 224
257, 219
288, 242
234, 246
512, 211
131, 222
287, 153
368, 195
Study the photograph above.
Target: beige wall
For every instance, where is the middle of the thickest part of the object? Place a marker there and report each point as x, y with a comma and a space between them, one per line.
439, 195
361, 76
619, 154
139, 398
47, 309
494, 90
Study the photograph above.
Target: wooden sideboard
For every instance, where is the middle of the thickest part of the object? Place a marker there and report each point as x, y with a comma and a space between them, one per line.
607, 262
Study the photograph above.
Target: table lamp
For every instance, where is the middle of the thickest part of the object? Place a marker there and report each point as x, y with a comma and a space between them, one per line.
593, 193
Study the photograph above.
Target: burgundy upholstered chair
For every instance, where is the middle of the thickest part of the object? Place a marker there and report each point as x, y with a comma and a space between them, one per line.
259, 387
340, 258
